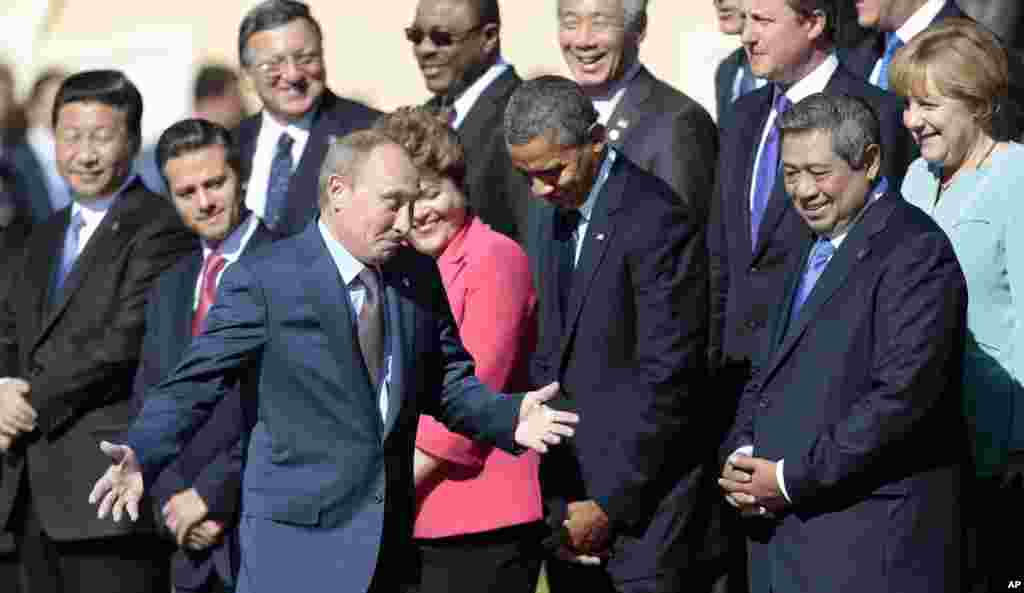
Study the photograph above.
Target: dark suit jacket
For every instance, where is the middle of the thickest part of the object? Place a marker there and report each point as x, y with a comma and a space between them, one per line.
670, 135
860, 395
320, 455
746, 280
336, 116
725, 78
209, 462
498, 191
80, 354
630, 360
30, 180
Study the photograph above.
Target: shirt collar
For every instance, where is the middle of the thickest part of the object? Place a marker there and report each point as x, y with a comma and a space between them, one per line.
469, 96
93, 211
613, 89
606, 167
231, 247
814, 82
920, 20
295, 129
879, 190
348, 266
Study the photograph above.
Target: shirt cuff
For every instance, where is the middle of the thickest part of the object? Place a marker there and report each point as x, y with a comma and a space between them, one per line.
747, 450
781, 480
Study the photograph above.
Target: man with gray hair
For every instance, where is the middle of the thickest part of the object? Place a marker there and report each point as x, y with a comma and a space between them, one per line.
846, 450
659, 128
621, 273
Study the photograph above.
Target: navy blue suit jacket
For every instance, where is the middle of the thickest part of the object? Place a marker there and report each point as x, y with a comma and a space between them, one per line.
209, 462
320, 455
725, 78
860, 395
336, 116
746, 280
629, 358
30, 181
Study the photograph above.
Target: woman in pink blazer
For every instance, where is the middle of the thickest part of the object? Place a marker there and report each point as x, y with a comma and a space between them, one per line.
478, 524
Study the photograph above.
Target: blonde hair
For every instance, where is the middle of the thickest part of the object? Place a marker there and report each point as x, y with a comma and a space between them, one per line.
964, 61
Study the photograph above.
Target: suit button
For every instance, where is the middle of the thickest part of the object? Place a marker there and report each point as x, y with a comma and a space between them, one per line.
36, 370
765, 404
379, 498
754, 269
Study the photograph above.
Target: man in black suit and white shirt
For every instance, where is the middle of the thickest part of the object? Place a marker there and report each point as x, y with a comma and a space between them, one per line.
280, 47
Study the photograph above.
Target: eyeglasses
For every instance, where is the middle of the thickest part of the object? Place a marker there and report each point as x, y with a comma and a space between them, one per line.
303, 61
415, 35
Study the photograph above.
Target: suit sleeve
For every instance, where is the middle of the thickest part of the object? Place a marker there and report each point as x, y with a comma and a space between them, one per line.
496, 329
9, 352
718, 272
235, 334
107, 372
688, 161
920, 308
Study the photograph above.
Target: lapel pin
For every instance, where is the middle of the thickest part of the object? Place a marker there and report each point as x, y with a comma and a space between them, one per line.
600, 237
623, 123
115, 226
405, 282
863, 253
613, 135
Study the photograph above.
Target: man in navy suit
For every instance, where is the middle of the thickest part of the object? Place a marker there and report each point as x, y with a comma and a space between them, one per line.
621, 278
847, 449
352, 338
733, 77
280, 48
199, 493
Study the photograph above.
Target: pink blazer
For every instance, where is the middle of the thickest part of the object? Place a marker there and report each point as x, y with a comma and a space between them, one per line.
490, 289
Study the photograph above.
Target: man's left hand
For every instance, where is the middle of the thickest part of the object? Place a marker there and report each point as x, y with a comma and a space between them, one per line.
539, 425
182, 512
588, 527
761, 490
205, 535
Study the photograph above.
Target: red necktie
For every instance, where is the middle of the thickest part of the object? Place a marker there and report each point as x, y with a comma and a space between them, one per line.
214, 263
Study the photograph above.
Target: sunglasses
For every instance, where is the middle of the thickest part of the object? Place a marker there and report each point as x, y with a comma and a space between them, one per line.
415, 35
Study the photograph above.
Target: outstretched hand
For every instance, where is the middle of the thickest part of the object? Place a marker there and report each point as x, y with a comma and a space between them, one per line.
120, 489
539, 425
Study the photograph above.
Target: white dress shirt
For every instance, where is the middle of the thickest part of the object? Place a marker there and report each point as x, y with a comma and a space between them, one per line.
918, 22
230, 249
349, 268
266, 148
609, 101
814, 82
464, 104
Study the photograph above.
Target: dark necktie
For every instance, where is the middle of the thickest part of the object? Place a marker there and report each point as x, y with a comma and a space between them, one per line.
371, 326
565, 236
767, 168
747, 81
277, 186
821, 253
892, 44
70, 254
212, 266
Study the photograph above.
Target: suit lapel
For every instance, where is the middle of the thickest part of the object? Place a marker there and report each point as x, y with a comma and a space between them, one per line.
44, 263
401, 324
630, 108
181, 311
487, 108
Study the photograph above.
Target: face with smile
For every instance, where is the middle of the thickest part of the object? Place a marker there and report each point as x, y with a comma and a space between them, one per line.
780, 42
826, 191
286, 66
730, 16
451, 66
94, 148
596, 46
206, 192
886, 15
563, 175
944, 128
433, 219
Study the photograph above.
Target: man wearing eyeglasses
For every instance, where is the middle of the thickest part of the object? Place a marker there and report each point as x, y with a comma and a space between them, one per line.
457, 45
280, 48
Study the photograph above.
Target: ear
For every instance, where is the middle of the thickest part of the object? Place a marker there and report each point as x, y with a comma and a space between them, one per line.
873, 162
492, 35
819, 24
338, 188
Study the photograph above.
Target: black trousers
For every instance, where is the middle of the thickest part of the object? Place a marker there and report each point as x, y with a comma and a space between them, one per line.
127, 564
994, 522
500, 561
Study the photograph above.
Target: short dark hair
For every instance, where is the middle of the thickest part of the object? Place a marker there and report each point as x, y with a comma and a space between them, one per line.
851, 121
109, 87
487, 11
549, 104
272, 14
190, 135
829, 8
212, 81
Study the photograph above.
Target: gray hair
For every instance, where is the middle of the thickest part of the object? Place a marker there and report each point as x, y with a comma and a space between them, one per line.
851, 121
634, 15
346, 156
272, 14
546, 104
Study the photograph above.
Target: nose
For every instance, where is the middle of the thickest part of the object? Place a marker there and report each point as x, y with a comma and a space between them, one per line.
746, 31
583, 37
403, 221
204, 199
802, 187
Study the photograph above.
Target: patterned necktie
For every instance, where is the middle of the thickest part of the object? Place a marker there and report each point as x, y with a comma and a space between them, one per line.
371, 326
277, 187
892, 44
767, 167
821, 253
565, 235
72, 248
213, 265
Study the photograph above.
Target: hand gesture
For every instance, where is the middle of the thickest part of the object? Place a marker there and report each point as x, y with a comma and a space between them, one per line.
17, 417
752, 483
205, 535
182, 512
120, 488
588, 527
539, 425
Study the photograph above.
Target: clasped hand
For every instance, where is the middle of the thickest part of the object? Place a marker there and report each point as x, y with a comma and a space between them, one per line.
186, 516
751, 485
17, 416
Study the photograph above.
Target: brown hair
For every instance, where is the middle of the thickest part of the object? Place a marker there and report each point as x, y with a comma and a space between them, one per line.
963, 60
433, 146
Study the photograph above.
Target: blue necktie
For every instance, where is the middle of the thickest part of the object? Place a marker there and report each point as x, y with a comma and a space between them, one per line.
821, 253
277, 187
892, 43
767, 167
69, 255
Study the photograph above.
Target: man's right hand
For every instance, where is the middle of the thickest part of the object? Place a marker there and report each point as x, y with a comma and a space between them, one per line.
17, 417
120, 488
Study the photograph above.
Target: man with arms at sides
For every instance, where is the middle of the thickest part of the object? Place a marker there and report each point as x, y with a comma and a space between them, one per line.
733, 77
352, 337
71, 330
280, 48
457, 45
753, 226
848, 446
621, 275
199, 493
656, 126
